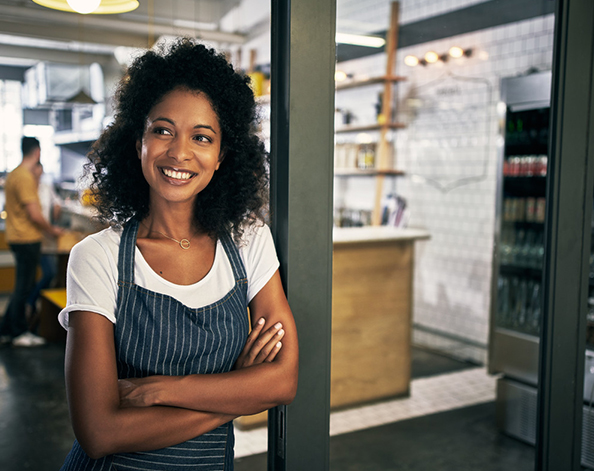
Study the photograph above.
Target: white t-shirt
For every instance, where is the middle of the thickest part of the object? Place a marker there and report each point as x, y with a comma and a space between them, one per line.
92, 276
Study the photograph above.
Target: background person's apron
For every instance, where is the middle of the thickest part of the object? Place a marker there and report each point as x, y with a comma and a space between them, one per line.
157, 335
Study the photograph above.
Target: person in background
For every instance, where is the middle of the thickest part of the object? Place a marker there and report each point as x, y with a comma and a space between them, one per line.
159, 358
25, 226
51, 208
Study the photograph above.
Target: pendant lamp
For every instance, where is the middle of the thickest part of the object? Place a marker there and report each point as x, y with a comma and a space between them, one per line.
95, 7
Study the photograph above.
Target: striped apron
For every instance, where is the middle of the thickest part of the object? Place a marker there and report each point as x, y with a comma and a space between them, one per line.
157, 335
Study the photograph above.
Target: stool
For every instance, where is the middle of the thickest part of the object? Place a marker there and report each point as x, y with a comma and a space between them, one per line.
52, 302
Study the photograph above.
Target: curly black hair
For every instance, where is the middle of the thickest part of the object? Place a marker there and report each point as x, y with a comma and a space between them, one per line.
237, 193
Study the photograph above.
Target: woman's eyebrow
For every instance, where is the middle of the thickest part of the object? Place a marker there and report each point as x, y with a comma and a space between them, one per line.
162, 118
198, 126
204, 126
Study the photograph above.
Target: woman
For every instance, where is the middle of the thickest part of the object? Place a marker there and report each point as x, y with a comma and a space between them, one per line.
157, 361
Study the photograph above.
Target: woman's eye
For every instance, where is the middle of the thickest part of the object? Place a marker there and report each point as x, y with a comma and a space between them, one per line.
202, 138
162, 131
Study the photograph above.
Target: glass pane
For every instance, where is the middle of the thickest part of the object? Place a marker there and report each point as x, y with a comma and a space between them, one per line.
436, 314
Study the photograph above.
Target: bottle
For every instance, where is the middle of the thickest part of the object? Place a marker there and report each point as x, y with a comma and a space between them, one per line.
536, 311
517, 247
526, 250
542, 166
502, 301
379, 116
540, 247
521, 305
540, 209
530, 209
505, 247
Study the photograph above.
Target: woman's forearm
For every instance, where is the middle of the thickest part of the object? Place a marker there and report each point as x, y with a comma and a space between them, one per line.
126, 430
241, 392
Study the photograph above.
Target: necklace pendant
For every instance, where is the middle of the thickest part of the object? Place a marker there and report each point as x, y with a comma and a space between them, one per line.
184, 244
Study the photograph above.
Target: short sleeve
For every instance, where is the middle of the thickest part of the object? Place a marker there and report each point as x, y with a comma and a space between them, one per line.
91, 281
259, 258
26, 189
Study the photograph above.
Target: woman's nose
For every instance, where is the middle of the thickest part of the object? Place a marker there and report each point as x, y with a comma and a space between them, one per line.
179, 149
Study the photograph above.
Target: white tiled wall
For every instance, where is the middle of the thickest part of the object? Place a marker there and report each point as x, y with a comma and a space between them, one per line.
369, 16
451, 136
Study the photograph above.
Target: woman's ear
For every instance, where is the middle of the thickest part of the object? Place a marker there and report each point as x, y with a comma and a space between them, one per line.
138, 147
221, 158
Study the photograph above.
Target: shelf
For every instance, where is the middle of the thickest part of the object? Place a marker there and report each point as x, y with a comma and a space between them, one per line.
521, 271
535, 186
369, 81
526, 225
370, 127
372, 172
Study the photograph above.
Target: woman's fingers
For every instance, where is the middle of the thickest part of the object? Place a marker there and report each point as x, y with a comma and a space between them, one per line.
272, 355
261, 347
271, 345
256, 330
242, 360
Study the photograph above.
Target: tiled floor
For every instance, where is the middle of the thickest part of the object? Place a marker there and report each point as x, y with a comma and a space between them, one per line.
428, 396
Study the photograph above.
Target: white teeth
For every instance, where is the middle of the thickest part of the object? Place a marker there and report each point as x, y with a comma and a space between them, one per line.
177, 175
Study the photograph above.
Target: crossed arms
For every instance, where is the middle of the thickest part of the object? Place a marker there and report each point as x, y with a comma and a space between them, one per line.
111, 416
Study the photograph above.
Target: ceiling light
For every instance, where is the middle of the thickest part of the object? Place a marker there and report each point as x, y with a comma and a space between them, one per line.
456, 52
431, 57
359, 40
411, 61
84, 6
340, 76
105, 7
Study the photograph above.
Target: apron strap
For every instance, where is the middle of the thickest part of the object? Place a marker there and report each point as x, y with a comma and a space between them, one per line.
233, 254
126, 252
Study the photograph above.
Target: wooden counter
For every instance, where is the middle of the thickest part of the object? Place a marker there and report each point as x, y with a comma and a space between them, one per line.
371, 313
371, 316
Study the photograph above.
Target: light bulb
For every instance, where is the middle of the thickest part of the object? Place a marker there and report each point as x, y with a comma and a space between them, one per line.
431, 57
411, 61
340, 76
456, 52
84, 6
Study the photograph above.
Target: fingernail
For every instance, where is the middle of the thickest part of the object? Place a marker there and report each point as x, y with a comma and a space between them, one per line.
279, 345
280, 332
261, 321
278, 325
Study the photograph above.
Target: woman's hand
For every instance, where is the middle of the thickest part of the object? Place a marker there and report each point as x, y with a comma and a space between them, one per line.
261, 345
142, 392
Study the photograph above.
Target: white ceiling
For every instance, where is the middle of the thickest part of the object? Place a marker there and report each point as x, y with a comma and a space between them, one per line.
29, 32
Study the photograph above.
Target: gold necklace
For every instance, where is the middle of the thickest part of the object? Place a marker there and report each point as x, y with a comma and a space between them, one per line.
184, 243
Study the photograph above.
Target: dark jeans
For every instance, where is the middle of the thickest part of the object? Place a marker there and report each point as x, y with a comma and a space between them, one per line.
27, 258
49, 269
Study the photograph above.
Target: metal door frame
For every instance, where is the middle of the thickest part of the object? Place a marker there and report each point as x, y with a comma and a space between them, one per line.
567, 239
302, 146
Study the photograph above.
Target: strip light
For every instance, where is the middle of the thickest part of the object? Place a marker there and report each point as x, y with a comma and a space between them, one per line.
360, 40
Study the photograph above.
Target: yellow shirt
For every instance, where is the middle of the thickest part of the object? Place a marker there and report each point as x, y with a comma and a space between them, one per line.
21, 190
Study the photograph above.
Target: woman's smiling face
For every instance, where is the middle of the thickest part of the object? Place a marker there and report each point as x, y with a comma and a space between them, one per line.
181, 147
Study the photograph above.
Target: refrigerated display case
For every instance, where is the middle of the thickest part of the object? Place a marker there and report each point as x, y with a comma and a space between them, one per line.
519, 245
517, 296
